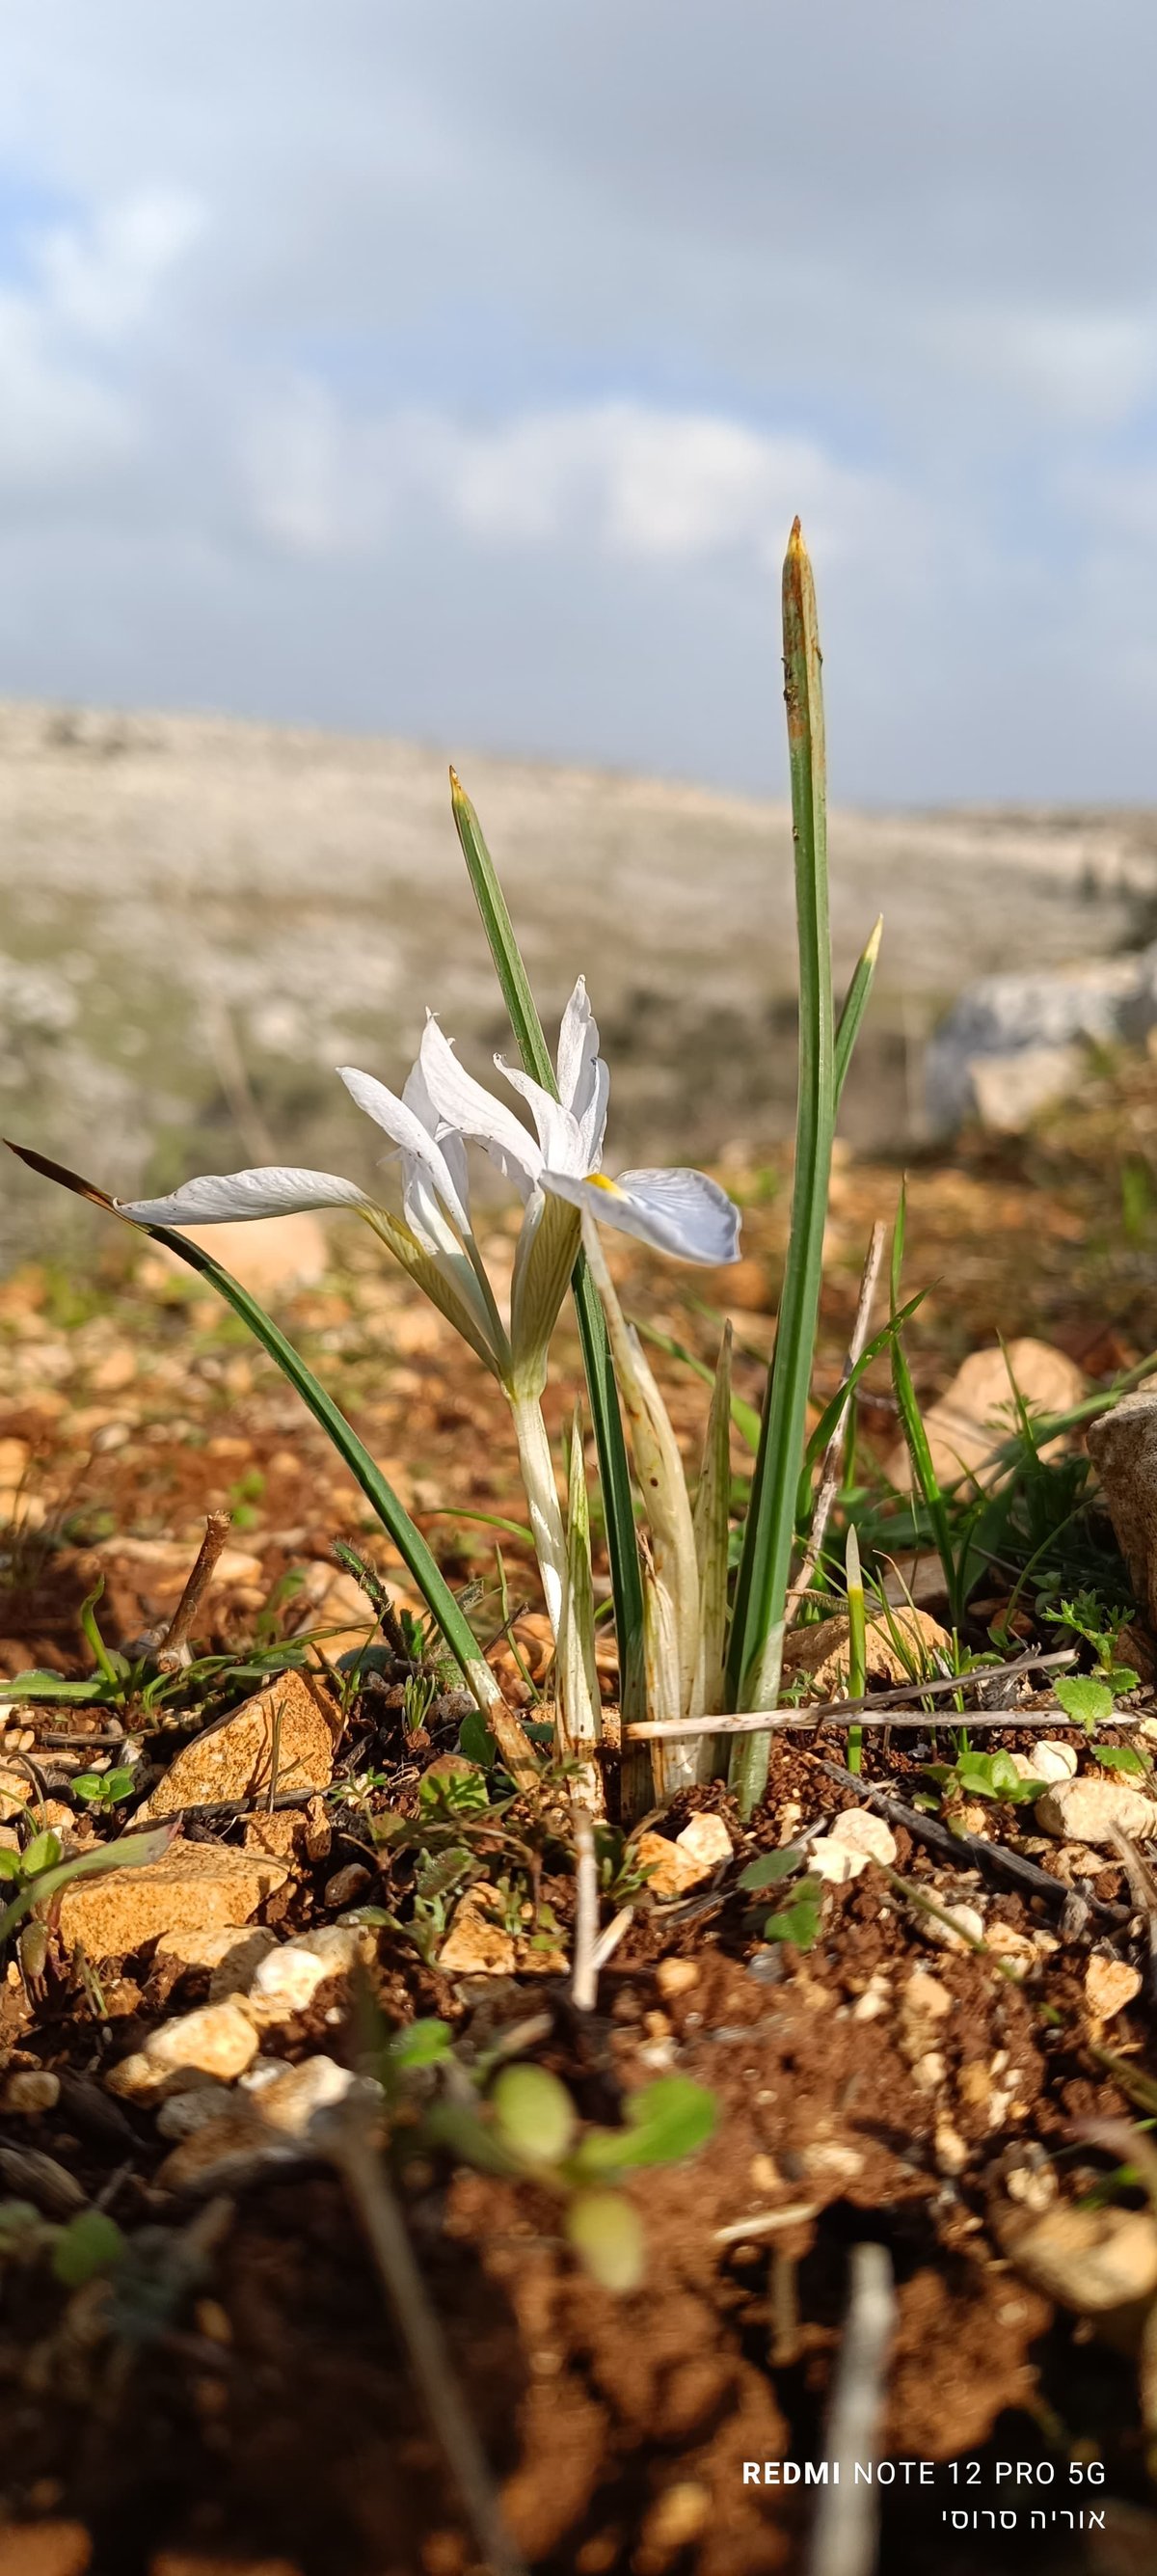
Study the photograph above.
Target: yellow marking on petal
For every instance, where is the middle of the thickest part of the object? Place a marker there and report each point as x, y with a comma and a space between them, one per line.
599, 1181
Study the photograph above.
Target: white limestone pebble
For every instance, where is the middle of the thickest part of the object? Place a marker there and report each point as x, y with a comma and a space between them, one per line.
1088, 1810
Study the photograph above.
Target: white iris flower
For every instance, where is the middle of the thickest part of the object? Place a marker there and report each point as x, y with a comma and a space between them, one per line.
556, 1172
441, 1111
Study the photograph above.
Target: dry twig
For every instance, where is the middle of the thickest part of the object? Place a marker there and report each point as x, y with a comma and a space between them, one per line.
351, 2149
175, 1651
608, 1940
968, 1851
761, 1720
845, 2530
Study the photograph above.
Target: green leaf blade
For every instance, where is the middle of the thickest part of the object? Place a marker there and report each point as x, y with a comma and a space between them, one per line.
765, 1564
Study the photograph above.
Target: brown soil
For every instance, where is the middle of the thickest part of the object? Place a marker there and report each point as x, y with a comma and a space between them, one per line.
269, 2417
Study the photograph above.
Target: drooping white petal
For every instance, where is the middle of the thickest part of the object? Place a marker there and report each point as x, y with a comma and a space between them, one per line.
403, 1124
558, 1132
681, 1212
416, 1096
578, 1048
593, 1122
583, 1079
474, 1113
275, 1189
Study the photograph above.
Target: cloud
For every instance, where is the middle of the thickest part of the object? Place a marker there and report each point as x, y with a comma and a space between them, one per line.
459, 371
101, 280
67, 418
638, 483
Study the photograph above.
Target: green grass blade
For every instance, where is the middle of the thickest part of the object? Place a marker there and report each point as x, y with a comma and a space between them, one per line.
765, 1564
614, 1473
836, 1405
916, 1437
855, 1004
411, 1546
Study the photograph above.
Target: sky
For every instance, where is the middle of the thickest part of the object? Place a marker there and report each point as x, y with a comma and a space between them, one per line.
454, 368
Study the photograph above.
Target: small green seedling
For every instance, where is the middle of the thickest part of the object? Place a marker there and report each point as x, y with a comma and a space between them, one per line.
981, 1775
1121, 1757
103, 1789
529, 2128
799, 1921
1090, 1699
138, 1687
84, 2249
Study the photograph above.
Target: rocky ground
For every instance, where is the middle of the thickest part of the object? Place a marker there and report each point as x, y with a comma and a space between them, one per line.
199, 919
215, 2383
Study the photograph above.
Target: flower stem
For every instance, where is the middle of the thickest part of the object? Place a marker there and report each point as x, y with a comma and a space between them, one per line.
542, 1497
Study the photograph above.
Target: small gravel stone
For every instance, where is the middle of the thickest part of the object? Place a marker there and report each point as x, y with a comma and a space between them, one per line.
1086, 1811
217, 2043
28, 2093
289, 2099
288, 1979
925, 1998
347, 1884
29, 2175
856, 1837
676, 2518
286, 1983
1089, 2259
951, 2152
676, 1977
182, 2113
1110, 1984
1053, 1760
964, 1925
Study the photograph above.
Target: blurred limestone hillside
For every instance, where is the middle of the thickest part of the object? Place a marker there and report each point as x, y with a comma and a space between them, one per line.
200, 918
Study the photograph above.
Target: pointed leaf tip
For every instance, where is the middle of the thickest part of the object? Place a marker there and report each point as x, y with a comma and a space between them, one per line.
59, 1172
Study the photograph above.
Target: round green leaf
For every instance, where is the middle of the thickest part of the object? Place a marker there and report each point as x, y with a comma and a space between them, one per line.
608, 2238
91, 2243
422, 2043
534, 2114
665, 2121
42, 1853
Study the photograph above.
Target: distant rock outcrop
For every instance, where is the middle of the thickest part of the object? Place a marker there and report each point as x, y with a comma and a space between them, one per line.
1012, 1043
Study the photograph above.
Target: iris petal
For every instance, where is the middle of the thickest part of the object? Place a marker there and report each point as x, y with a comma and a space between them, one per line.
405, 1127
680, 1212
474, 1113
274, 1189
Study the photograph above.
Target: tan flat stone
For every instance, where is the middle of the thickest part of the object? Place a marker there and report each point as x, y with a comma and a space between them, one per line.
978, 1411
475, 1947
1110, 1984
824, 1652
235, 1760
291, 1833
192, 1887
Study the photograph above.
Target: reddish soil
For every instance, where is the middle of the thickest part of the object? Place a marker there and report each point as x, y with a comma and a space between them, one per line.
269, 2420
